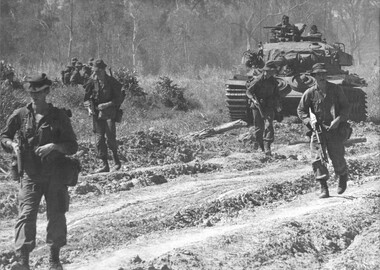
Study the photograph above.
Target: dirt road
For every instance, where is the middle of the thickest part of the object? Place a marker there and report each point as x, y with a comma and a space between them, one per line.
246, 211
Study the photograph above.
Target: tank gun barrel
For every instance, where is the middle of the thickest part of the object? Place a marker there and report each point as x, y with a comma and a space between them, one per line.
273, 27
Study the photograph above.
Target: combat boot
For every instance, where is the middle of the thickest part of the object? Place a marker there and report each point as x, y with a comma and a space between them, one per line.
324, 189
104, 168
117, 165
23, 263
54, 263
342, 183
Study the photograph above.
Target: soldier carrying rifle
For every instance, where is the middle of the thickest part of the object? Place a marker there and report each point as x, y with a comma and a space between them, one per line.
264, 96
329, 105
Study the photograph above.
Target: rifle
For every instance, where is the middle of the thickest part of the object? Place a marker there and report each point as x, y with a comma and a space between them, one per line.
319, 132
321, 139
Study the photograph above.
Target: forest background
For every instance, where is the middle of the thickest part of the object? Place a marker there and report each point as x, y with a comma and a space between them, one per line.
172, 36
197, 43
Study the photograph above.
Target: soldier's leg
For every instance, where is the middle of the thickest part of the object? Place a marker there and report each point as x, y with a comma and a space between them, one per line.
112, 143
100, 130
101, 146
258, 128
57, 203
29, 200
269, 132
336, 152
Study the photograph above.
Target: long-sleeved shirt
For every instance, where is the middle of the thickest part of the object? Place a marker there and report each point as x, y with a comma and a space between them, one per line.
266, 92
326, 106
54, 127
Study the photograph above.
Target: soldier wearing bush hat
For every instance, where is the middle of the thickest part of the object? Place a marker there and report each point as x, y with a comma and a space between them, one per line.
103, 98
76, 78
263, 94
44, 137
325, 105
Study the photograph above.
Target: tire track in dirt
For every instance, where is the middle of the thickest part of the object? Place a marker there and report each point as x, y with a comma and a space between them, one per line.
152, 246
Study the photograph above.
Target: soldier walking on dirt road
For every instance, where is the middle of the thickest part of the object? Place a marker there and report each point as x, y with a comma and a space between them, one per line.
264, 95
102, 98
40, 135
324, 105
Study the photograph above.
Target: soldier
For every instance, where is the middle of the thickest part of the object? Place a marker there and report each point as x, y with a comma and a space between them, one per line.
43, 134
86, 73
102, 98
286, 27
265, 99
76, 77
314, 34
325, 104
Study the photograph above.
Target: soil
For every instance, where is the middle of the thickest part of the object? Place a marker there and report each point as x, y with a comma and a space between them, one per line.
214, 204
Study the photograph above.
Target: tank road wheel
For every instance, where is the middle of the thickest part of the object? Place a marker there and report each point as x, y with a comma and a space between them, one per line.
237, 101
357, 99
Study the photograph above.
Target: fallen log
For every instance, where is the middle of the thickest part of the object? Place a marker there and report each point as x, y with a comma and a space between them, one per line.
349, 142
209, 132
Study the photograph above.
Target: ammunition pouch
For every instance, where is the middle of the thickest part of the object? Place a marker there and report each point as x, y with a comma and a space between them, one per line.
344, 131
68, 169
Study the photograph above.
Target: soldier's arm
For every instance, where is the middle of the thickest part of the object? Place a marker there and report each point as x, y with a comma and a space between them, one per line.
344, 105
116, 92
8, 133
67, 141
251, 87
303, 108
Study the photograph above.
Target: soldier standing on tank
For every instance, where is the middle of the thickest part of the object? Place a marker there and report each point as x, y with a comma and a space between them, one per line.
325, 104
102, 98
264, 95
43, 134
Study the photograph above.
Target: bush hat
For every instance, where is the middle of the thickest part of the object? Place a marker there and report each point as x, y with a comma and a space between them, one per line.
74, 59
38, 83
91, 61
270, 65
99, 63
318, 68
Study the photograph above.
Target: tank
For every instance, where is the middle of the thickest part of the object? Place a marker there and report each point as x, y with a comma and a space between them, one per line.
295, 60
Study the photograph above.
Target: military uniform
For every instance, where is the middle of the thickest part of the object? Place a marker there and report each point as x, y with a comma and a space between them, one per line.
41, 175
326, 106
96, 93
266, 92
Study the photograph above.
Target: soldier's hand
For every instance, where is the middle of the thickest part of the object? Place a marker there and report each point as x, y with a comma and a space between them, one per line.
101, 106
45, 150
313, 122
90, 112
334, 124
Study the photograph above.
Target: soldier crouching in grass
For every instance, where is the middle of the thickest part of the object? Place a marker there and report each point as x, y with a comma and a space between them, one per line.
42, 135
324, 109
103, 98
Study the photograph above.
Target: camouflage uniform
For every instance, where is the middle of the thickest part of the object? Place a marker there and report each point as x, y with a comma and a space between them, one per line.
41, 178
267, 94
326, 108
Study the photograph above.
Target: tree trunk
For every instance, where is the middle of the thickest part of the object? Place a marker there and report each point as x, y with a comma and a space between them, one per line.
70, 29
